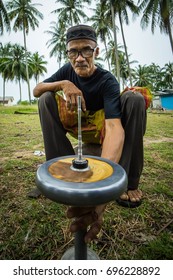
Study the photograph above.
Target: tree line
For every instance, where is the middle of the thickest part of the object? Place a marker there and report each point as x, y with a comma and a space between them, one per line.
17, 63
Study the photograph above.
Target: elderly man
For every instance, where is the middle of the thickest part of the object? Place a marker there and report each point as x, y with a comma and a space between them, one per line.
121, 119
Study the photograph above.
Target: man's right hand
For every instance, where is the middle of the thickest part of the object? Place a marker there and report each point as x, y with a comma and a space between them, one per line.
71, 93
90, 218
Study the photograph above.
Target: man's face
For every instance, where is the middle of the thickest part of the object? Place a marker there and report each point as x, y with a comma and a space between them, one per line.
83, 66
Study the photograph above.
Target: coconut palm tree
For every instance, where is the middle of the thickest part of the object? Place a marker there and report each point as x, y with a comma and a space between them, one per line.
113, 7
14, 65
112, 56
4, 54
25, 16
71, 11
124, 69
4, 19
37, 66
113, 16
57, 41
141, 76
158, 13
168, 75
102, 26
120, 9
155, 74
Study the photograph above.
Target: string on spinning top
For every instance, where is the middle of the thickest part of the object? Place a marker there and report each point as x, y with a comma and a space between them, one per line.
79, 163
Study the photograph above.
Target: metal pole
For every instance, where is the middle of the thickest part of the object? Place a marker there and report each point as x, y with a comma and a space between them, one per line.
80, 245
79, 130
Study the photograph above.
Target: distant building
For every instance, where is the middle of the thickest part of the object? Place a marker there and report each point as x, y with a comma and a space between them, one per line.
163, 99
8, 100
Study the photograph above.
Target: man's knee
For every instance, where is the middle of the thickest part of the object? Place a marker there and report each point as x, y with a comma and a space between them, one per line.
135, 99
45, 99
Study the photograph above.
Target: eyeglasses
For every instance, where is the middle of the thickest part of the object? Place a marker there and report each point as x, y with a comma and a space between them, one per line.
85, 52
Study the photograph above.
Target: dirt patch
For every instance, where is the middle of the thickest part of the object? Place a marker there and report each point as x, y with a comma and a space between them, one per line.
28, 154
2, 159
20, 154
23, 154
148, 141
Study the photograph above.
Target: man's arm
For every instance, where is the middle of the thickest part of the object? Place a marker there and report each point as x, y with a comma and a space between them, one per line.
113, 141
70, 90
43, 87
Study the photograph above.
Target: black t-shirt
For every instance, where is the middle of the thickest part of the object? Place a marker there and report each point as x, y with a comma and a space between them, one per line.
100, 90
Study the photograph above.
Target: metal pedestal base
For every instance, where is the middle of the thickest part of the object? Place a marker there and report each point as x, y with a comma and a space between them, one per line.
70, 254
80, 251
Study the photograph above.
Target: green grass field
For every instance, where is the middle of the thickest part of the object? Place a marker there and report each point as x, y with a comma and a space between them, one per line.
37, 229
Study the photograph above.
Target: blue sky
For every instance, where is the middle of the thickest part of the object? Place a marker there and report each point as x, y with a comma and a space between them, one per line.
143, 46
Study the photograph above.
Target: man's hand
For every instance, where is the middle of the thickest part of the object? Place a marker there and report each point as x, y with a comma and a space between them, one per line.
72, 92
84, 217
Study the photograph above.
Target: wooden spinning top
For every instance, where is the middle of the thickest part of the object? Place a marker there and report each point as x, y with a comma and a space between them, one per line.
98, 170
103, 182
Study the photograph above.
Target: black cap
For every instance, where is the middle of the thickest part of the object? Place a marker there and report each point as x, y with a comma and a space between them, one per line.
81, 32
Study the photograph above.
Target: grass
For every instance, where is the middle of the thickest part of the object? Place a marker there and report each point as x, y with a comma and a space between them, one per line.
38, 229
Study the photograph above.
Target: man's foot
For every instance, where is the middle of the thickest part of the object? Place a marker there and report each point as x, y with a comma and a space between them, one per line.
131, 198
34, 193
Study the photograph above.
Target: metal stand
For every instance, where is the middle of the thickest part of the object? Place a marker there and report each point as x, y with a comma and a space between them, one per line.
80, 251
80, 193
80, 245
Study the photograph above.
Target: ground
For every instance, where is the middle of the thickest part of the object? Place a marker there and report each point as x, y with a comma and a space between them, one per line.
38, 229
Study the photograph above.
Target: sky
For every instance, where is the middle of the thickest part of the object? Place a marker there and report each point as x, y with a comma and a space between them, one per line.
142, 45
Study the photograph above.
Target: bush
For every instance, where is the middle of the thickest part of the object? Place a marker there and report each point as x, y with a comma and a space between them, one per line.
26, 102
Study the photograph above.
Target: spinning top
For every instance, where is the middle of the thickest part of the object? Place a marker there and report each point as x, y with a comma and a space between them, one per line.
103, 182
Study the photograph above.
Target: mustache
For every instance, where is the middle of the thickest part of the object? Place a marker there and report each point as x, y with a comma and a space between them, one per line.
81, 65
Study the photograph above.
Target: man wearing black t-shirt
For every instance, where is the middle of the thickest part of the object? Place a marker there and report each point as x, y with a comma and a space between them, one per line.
124, 119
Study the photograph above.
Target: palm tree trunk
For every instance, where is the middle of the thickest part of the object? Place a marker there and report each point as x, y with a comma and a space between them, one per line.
3, 92
59, 63
125, 48
107, 55
26, 60
115, 42
37, 78
123, 83
20, 90
71, 18
170, 36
